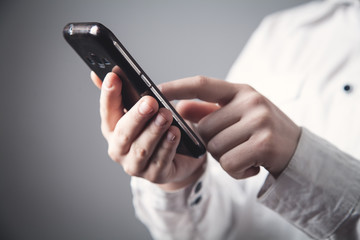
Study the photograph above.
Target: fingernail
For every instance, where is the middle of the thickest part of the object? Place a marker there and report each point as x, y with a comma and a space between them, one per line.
145, 108
170, 136
160, 120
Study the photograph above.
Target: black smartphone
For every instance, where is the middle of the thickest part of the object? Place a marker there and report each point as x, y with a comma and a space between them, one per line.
104, 53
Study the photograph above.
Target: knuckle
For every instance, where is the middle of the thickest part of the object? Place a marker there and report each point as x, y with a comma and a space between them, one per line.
161, 122
246, 87
201, 81
116, 147
180, 106
123, 140
203, 130
154, 178
264, 144
138, 118
171, 139
213, 148
139, 153
256, 99
131, 170
226, 163
113, 153
263, 118
168, 146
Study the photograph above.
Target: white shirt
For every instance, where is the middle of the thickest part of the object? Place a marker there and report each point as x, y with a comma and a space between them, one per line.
307, 61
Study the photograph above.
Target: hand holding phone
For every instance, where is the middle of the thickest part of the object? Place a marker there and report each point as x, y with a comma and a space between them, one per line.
135, 116
104, 53
149, 148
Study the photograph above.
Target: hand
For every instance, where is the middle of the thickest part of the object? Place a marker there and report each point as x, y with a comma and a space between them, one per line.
242, 129
142, 139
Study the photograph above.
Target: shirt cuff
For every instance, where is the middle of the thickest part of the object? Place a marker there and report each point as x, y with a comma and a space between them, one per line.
154, 197
318, 190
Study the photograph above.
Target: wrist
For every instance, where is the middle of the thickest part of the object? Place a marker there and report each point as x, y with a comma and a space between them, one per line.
174, 186
287, 153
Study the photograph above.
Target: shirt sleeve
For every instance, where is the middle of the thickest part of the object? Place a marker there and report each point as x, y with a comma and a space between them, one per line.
203, 210
319, 191
170, 215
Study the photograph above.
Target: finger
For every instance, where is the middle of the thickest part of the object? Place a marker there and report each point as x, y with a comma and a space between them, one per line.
143, 146
204, 88
195, 110
95, 79
133, 123
111, 106
252, 171
236, 161
160, 163
217, 121
226, 140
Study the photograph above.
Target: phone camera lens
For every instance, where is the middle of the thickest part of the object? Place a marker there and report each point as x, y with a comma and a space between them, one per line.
93, 59
106, 62
96, 60
89, 59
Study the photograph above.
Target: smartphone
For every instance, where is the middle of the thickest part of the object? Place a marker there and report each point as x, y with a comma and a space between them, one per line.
104, 53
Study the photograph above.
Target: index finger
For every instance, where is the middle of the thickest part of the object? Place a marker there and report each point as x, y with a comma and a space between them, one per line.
203, 88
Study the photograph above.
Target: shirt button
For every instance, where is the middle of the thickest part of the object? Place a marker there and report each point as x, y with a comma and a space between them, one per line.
347, 88
198, 187
197, 201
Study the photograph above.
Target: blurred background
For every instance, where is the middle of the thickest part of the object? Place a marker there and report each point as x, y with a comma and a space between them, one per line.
56, 180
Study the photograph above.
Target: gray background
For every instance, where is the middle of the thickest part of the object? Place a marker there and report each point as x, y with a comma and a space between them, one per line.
56, 180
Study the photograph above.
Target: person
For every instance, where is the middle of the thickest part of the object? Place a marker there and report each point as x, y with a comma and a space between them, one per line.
282, 135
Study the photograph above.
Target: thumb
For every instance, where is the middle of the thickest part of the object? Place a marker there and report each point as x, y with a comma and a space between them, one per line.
194, 111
